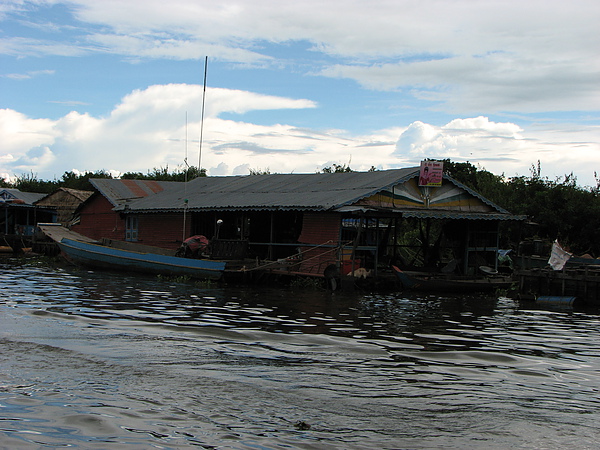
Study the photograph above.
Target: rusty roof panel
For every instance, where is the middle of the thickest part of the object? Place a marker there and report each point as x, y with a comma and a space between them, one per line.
119, 192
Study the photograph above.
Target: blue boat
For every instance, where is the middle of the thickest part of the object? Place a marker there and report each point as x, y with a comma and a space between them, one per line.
108, 257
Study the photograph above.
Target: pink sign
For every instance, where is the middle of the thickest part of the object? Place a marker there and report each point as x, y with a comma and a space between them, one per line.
431, 173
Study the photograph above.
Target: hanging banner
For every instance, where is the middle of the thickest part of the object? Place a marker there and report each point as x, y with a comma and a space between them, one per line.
558, 257
431, 173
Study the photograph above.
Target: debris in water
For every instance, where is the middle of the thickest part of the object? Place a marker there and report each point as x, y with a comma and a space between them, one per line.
302, 425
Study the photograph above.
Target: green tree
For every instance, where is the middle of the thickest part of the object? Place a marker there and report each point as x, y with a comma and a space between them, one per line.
31, 183
260, 171
465, 173
81, 182
560, 207
563, 210
163, 174
337, 168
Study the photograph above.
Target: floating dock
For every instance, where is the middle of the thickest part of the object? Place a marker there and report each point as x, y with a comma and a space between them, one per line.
582, 282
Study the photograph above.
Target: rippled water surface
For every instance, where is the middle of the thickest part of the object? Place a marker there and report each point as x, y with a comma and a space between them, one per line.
107, 361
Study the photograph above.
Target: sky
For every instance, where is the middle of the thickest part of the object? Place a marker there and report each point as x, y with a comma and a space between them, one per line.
296, 86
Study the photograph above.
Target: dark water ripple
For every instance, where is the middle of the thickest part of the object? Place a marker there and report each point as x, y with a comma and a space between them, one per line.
95, 360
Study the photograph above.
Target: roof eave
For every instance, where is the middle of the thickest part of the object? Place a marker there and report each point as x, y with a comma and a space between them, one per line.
379, 189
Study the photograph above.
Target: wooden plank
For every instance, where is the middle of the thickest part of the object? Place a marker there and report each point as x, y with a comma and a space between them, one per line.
56, 232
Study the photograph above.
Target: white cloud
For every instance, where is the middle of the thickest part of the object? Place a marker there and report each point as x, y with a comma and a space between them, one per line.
338, 27
493, 83
147, 130
223, 169
142, 46
469, 60
483, 125
19, 132
467, 57
505, 147
28, 75
21, 47
41, 156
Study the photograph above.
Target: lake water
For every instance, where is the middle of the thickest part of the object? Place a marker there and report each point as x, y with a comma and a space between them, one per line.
97, 360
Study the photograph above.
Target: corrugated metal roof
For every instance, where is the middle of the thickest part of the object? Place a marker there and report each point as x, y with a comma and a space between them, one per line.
28, 197
304, 192
118, 192
319, 191
80, 195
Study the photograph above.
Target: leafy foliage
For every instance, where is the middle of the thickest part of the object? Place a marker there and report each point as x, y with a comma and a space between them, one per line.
260, 171
561, 209
337, 168
163, 174
80, 182
31, 183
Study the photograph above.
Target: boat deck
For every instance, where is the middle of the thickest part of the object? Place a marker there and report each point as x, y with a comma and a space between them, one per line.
57, 232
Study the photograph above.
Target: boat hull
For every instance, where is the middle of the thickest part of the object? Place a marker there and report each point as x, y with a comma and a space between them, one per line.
103, 257
431, 283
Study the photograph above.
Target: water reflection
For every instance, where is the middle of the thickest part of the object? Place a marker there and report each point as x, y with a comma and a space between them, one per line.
90, 358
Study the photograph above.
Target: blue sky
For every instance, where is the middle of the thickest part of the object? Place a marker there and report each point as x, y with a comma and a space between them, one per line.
116, 85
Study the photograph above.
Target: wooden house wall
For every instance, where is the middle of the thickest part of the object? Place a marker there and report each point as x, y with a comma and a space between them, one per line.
321, 229
64, 203
409, 195
98, 220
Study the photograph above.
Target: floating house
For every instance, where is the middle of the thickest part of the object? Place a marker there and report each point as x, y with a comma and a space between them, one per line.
64, 201
18, 218
306, 223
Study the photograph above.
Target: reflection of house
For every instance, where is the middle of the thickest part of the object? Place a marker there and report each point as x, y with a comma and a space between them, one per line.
19, 216
64, 201
350, 219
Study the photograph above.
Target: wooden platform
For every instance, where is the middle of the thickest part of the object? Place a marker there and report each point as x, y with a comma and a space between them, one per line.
582, 282
56, 232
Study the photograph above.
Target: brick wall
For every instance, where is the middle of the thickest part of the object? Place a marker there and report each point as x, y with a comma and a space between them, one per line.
97, 220
319, 229
163, 230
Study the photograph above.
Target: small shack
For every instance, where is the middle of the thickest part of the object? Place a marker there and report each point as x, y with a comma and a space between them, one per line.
64, 201
18, 218
306, 223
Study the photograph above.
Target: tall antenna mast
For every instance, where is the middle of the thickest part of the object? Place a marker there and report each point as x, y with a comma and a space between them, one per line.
185, 160
185, 177
202, 118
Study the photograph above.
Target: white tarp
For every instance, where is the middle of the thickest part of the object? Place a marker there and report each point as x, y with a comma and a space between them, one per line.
558, 257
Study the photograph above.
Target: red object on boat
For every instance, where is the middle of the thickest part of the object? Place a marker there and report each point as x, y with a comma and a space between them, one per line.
196, 244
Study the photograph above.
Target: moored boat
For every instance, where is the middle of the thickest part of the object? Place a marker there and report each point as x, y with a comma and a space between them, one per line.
129, 256
420, 281
105, 257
